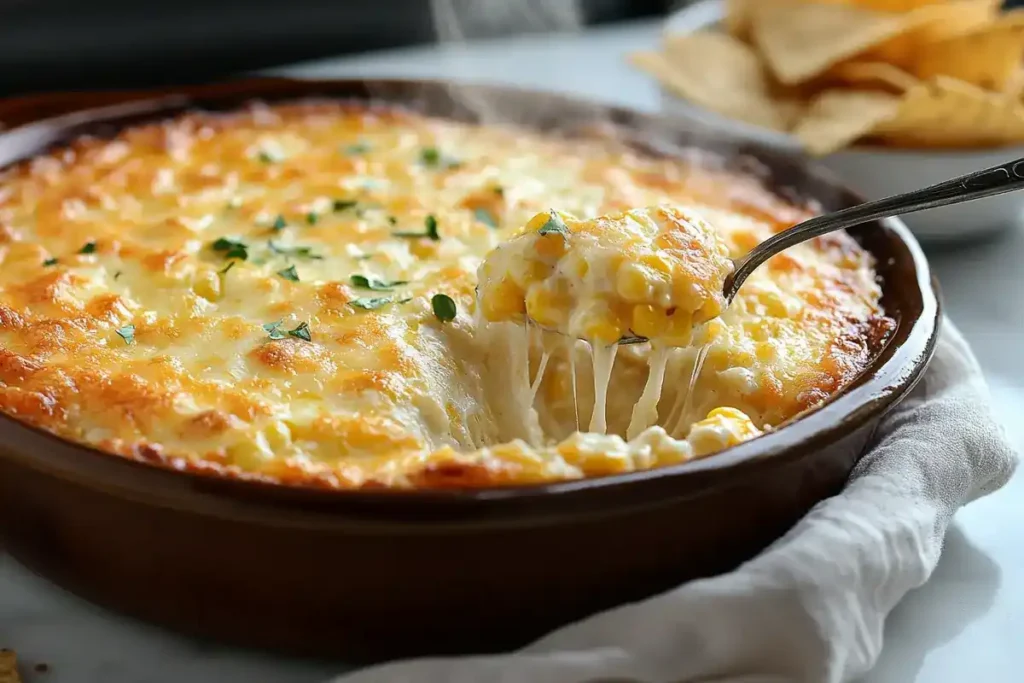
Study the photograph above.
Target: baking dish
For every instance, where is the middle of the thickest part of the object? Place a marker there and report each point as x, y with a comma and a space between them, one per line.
375, 574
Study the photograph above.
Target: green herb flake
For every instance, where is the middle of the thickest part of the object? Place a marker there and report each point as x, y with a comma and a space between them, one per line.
88, 248
289, 273
298, 252
50, 262
279, 223
312, 217
364, 282
555, 225
433, 158
429, 230
301, 332
118, 275
444, 307
267, 157
344, 204
392, 220
225, 269
430, 223
357, 148
370, 303
430, 156
232, 249
274, 330
127, 333
486, 217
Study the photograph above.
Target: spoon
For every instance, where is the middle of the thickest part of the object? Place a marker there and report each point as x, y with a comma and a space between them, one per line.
1006, 177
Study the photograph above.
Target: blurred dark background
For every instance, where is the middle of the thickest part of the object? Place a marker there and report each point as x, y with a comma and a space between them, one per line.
110, 44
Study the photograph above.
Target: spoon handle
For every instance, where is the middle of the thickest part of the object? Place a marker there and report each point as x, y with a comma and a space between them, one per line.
1006, 177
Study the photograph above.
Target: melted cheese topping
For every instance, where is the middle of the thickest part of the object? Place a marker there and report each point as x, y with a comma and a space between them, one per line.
249, 295
652, 273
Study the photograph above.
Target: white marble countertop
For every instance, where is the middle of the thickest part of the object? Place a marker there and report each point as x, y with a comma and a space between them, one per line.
966, 623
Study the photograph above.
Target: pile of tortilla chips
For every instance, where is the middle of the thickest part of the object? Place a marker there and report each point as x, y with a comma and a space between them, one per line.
901, 73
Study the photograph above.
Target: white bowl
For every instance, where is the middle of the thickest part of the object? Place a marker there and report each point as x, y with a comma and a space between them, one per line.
875, 172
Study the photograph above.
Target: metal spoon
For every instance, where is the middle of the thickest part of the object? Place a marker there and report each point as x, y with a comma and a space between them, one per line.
978, 185
992, 181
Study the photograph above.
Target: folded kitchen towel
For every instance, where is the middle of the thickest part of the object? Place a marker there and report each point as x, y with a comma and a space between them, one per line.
811, 607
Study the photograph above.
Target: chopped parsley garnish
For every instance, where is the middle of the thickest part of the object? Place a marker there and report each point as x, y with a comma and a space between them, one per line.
555, 225
299, 252
301, 332
357, 148
430, 230
267, 157
279, 223
231, 248
118, 274
432, 156
370, 303
499, 190
88, 248
312, 217
486, 217
274, 330
50, 262
223, 271
127, 333
392, 220
343, 204
289, 273
444, 307
365, 282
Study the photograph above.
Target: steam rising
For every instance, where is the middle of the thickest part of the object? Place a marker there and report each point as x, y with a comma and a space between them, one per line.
457, 22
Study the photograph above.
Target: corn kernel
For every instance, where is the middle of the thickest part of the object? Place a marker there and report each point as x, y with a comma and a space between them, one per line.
649, 321
632, 283
547, 308
538, 221
598, 324
208, 286
550, 247
505, 301
680, 329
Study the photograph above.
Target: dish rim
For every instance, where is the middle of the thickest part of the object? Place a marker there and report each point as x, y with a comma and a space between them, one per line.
889, 376
705, 14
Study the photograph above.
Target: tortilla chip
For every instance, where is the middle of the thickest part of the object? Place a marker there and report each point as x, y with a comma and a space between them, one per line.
946, 112
896, 5
837, 118
802, 40
9, 667
873, 74
716, 71
989, 57
930, 23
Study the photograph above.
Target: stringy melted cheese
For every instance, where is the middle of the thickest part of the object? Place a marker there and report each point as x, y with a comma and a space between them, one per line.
129, 320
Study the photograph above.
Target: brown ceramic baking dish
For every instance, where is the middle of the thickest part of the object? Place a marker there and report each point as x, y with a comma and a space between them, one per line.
367, 575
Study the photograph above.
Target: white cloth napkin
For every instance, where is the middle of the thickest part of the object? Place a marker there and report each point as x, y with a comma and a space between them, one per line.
811, 607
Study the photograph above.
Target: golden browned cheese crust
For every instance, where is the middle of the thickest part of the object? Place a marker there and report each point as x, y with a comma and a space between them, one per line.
183, 294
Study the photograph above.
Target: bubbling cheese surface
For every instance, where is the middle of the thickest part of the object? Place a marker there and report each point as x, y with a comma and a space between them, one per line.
252, 295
